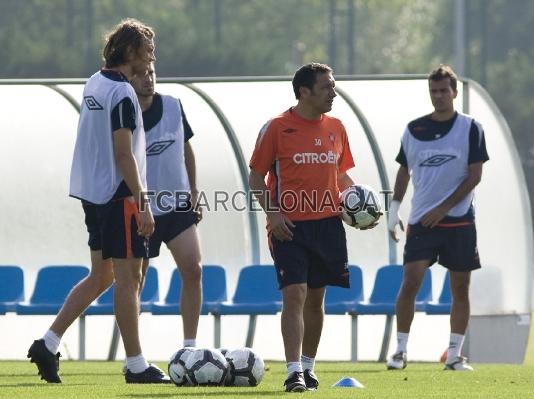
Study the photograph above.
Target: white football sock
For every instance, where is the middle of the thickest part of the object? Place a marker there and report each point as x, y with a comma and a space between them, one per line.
456, 342
52, 341
307, 362
292, 367
136, 364
190, 342
402, 342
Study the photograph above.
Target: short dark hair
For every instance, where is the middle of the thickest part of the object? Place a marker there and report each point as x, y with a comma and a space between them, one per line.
306, 76
129, 34
444, 72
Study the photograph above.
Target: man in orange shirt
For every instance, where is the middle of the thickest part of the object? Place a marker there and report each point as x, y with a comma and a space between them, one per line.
306, 155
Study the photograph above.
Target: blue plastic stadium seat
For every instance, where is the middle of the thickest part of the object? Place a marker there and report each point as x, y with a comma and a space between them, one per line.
256, 293
149, 295
52, 286
11, 288
344, 300
213, 292
443, 306
386, 287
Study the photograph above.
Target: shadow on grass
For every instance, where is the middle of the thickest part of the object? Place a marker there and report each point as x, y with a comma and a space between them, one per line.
190, 392
23, 385
61, 374
80, 374
42, 385
10, 375
347, 371
369, 371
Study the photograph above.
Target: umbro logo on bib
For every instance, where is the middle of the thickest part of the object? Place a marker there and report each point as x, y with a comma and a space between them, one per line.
437, 160
158, 147
92, 104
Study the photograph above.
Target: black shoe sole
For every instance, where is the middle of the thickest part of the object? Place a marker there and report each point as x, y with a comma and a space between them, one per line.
150, 382
297, 388
34, 358
394, 368
52, 380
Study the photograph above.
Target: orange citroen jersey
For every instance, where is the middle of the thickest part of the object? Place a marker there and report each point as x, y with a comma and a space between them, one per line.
303, 159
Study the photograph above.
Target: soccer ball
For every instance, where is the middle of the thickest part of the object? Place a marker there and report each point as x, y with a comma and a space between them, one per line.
206, 367
176, 367
360, 205
245, 368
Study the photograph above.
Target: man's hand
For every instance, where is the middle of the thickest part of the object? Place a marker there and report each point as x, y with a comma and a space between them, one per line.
280, 225
394, 220
372, 225
194, 204
146, 225
432, 218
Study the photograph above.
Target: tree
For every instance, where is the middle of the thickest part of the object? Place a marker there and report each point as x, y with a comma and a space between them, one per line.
273, 37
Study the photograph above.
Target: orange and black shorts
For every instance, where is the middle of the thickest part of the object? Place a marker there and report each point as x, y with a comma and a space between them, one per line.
112, 228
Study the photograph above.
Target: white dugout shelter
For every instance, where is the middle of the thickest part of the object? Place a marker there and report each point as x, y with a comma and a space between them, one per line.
41, 225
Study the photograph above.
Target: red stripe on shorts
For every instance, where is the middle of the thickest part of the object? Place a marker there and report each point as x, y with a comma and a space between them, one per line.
130, 209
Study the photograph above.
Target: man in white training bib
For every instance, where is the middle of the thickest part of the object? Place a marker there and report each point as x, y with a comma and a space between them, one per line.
171, 177
442, 153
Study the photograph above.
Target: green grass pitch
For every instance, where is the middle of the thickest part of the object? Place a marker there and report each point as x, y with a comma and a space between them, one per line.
103, 380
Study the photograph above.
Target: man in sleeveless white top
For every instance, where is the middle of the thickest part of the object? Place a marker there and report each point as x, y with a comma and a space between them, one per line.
442, 153
108, 175
171, 177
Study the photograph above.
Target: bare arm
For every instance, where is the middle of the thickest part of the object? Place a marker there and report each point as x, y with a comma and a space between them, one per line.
122, 148
257, 184
278, 221
190, 166
432, 218
401, 185
344, 181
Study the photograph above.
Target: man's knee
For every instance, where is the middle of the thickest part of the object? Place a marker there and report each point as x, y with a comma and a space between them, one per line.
460, 292
101, 280
136, 276
294, 296
191, 273
130, 280
315, 300
410, 287
105, 282
460, 286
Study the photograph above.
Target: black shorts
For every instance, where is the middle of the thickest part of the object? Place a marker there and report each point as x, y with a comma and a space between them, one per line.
113, 227
317, 255
169, 226
454, 246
